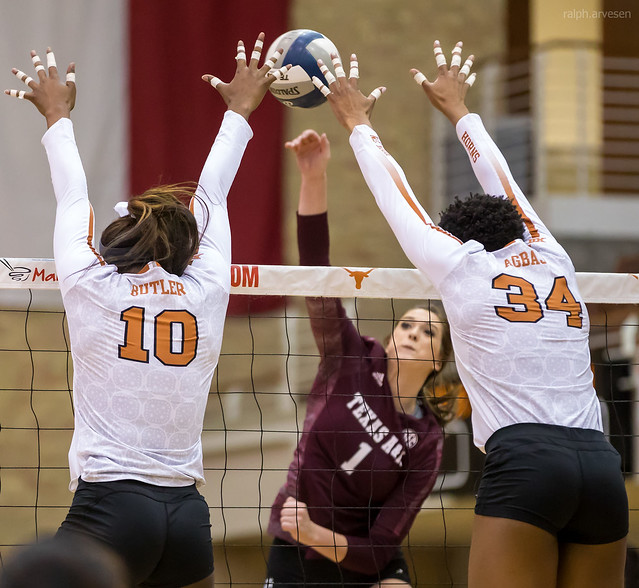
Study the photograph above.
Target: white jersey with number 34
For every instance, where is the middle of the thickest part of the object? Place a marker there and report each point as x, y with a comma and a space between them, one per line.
145, 345
519, 326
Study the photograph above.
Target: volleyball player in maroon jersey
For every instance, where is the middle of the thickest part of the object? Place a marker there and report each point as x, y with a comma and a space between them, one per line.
372, 441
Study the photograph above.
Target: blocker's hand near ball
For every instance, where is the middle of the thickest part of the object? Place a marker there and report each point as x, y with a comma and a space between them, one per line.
245, 91
448, 92
350, 106
53, 98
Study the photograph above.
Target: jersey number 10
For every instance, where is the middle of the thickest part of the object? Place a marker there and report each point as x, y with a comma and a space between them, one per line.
174, 332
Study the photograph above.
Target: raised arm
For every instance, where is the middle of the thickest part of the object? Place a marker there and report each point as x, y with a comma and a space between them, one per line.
73, 242
447, 94
332, 330
242, 95
330, 326
428, 247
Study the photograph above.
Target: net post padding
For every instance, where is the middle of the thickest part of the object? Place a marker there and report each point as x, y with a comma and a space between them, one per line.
343, 282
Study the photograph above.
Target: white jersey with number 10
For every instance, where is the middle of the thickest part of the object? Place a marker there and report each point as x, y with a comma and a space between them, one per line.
144, 345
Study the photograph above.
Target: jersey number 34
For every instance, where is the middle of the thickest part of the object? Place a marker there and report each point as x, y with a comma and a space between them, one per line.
526, 307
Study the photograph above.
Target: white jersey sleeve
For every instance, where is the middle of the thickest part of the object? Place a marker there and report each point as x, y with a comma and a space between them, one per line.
73, 238
495, 176
222, 163
429, 248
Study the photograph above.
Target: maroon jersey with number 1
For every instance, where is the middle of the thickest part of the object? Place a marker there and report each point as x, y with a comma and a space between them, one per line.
363, 468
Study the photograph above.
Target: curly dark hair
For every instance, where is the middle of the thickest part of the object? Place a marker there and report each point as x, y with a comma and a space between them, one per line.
493, 221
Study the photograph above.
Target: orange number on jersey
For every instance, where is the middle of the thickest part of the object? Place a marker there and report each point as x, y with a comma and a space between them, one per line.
166, 326
524, 295
133, 348
562, 299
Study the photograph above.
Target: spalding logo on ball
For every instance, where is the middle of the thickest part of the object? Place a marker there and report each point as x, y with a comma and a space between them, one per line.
302, 48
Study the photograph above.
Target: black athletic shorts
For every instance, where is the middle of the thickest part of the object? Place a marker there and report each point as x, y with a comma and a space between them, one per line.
288, 568
163, 533
565, 480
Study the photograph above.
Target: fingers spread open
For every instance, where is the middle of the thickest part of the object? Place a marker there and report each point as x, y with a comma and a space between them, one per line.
209, 79
15, 93
278, 74
320, 86
70, 79
465, 70
377, 92
456, 58
257, 49
37, 63
22, 76
440, 60
51, 59
241, 52
337, 66
273, 59
354, 71
418, 76
330, 78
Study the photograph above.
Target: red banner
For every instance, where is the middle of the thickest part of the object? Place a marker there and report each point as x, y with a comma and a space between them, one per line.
174, 117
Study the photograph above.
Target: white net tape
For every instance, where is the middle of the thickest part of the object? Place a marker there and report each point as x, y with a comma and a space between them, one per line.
344, 282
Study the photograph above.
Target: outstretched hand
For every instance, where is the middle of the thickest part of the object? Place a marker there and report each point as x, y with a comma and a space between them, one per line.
448, 92
350, 106
53, 99
245, 91
312, 152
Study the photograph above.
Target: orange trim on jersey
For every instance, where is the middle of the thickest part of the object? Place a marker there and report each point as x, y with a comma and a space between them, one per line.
197, 254
403, 190
148, 266
90, 236
532, 229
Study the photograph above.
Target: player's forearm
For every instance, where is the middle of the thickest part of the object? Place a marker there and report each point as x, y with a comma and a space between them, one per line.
313, 194
492, 171
488, 163
326, 542
393, 195
67, 174
224, 158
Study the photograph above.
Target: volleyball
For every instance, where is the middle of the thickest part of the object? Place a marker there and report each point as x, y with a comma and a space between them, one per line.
302, 48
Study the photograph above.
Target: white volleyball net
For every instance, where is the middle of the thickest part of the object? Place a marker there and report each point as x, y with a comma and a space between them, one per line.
257, 405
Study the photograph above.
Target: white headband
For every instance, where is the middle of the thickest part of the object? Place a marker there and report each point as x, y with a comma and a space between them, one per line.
122, 208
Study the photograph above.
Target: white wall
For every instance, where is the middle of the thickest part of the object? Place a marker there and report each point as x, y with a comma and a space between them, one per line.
93, 34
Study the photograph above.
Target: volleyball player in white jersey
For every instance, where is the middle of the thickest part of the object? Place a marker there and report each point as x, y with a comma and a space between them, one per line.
551, 508
146, 316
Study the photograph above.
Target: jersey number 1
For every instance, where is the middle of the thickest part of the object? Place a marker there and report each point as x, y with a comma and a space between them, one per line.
349, 465
174, 332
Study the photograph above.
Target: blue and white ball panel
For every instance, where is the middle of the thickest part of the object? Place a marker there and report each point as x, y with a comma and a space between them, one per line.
302, 48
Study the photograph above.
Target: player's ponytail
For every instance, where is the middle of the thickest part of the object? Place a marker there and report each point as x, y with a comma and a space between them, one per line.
443, 391
159, 227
